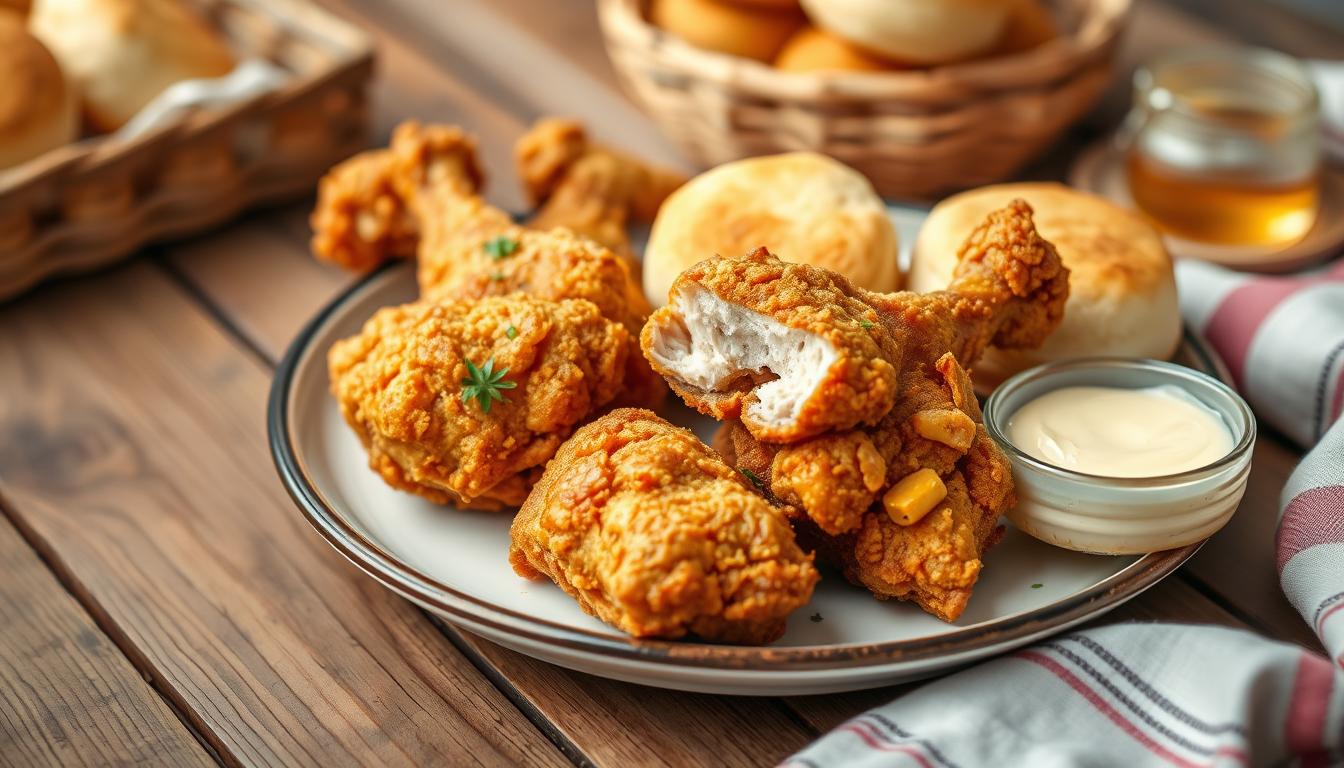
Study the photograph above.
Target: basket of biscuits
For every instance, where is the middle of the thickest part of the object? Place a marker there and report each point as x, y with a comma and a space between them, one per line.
124, 122
922, 96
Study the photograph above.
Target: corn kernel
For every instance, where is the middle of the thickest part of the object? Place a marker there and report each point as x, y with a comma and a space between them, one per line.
945, 425
914, 496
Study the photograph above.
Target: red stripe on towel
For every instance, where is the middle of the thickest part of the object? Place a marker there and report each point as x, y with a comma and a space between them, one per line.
1304, 731
1325, 615
1314, 516
875, 742
1114, 715
1233, 325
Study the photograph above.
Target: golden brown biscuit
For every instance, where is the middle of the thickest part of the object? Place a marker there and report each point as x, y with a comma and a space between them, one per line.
1029, 24
739, 30
805, 207
816, 50
123, 53
1122, 297
918, 31
38, 108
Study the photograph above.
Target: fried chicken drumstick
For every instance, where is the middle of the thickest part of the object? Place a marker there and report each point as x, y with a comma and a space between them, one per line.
592, 190
466, 248
654, 534
894, 477
416, 385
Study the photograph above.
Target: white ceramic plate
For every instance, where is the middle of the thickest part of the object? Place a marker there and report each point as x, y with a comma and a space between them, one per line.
454, 562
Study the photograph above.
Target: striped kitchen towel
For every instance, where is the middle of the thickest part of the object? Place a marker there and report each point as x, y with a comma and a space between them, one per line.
1282, 337
1144, 694
1168, 694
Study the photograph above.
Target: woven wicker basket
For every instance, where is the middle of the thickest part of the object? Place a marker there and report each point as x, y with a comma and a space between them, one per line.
89, 203
915, 133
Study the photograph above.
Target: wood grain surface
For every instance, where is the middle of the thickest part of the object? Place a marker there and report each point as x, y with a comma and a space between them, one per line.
157, 544
67, 694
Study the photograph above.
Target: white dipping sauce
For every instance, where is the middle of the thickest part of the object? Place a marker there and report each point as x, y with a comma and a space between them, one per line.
1116, 432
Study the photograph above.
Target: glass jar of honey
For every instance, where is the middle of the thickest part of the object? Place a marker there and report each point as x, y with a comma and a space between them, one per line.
1223, 147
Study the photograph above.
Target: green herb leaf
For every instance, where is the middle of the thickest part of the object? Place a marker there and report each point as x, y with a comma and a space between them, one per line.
500, 247
1037, 586
496, 276
753, 477
483, 384
866, 324
511, 332
816, 618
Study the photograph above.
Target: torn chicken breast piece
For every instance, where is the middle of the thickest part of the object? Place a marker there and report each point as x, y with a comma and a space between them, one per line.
650, 531
790, 349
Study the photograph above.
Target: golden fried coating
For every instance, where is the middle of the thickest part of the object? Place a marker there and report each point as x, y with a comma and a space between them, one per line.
838, 480
792, 350
589, 189
362, 217
468, 249
401, 384
1009, 289
654, 534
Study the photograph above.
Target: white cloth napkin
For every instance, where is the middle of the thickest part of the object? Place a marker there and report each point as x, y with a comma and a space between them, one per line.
1170, 694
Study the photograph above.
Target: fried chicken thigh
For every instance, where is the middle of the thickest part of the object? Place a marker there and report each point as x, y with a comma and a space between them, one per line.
467, 248
856, 483
654, 534
403, 384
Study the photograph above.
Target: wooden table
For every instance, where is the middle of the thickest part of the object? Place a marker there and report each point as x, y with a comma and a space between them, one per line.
163, 601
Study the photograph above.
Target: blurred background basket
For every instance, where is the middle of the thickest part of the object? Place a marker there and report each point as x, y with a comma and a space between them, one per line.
915, 134
94, 201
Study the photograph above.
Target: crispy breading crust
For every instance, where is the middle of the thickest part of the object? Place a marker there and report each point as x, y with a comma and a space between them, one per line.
653, 533
587, 188
423, 191
399, 385
859, 387
363, 215
1010, 288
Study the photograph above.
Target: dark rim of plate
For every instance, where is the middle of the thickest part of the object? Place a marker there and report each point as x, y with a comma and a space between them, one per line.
472, 611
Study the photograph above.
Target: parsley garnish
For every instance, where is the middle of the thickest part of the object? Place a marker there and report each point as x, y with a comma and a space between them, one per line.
816, 618
499, 247
1037, 586
484, 384
753, 477
496, 276
866, 324
511, 332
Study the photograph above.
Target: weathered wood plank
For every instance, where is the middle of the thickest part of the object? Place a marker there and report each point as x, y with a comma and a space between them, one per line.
68, 696
137, 457
622, 724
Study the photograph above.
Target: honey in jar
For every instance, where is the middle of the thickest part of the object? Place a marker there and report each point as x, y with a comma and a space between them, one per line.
1224, 147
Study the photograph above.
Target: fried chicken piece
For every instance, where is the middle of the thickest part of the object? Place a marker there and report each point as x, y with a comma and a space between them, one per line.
654, 534
362, 217
791, 349
838, 480
469, 249
587, 188
1009, 289
401, 384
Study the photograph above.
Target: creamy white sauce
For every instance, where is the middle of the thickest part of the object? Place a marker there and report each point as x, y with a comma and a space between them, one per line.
1116, 432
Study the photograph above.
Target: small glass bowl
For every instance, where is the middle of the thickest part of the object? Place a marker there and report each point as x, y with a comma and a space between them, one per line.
1121, 515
